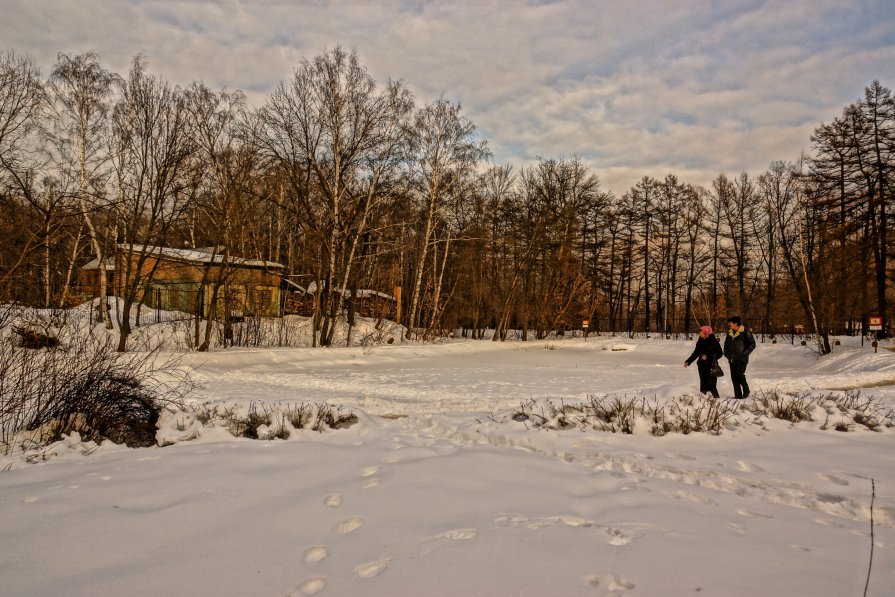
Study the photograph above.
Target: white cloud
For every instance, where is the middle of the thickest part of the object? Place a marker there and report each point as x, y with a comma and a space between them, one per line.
638, 88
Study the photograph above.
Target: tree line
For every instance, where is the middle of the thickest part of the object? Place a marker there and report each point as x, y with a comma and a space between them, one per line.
352, 185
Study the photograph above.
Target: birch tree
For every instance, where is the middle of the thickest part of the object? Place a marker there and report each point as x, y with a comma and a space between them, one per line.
445, 153
81, 91
340, 140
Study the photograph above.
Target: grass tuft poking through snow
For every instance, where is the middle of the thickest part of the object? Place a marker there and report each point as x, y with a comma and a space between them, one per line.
698, 414
259, 420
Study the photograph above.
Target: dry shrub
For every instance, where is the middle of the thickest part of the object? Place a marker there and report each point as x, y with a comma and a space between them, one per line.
777, 405
84, 385
272, 421
620, 414
698, 414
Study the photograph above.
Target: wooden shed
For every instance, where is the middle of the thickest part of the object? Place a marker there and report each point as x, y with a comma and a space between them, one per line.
196, 281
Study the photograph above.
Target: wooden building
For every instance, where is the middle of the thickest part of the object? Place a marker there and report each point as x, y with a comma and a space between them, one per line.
196, 281
88, 279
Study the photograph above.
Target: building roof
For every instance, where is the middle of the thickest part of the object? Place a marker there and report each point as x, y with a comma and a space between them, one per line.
295, 287
94, 264
199, 256
361, 293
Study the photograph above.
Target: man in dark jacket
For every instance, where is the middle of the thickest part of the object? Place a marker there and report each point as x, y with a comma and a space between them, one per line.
707, 351
738, 344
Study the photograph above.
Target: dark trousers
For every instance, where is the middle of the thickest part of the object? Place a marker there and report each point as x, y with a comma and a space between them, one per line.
707, 381
738, 377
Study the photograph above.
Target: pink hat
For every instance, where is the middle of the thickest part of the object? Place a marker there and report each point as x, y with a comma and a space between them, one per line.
707, 329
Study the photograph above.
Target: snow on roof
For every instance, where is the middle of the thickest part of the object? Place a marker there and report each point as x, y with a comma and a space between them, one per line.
362, 293
295, 286
199, 256
94, 264
368, 293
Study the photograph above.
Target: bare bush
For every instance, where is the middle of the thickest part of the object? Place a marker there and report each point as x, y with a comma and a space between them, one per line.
695, 415
299, 415
868, 411
854, 409
271, 421
698, 414
613, 414
783, 406
84, 385
620, 414
329, 417
251, 422
31, 338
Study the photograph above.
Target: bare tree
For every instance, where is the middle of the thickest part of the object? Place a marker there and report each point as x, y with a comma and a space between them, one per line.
445, 151
226, 169
776, 187
696, 250
21, 103
642, 198
796, 223
339, 139
157, 180
21, 100
80, 102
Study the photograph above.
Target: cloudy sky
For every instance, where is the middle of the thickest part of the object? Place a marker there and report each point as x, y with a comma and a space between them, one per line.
636, 87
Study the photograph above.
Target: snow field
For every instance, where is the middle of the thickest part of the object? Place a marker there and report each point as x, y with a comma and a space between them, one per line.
429, 495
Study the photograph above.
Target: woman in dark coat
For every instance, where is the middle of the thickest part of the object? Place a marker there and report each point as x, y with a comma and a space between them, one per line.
707, 352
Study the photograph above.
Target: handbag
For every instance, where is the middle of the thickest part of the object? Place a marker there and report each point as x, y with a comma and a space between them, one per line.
716, 370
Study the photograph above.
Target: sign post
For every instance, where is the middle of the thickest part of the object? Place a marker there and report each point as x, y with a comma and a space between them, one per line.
875, 324
585, 324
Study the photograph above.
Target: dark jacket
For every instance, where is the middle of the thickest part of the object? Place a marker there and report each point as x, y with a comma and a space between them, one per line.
738, 345
710, 347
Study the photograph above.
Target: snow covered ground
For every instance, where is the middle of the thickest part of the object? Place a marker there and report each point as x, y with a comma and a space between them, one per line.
432, 493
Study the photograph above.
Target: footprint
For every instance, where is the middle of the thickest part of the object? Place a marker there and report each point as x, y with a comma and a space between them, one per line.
459, 534
833, 479
593, 580
736, 528
348, 525
694, 497
371, 569
391, 459
312, 586
369, 471
315, 554
31, 499
829, 523
801, 548
333, 501
371, 483
574, 521
617, 537
750, 514
618, 584
748, 467
105, 477
679, 456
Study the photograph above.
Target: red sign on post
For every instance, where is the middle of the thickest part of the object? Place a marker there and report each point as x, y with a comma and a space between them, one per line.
875, 323
585, 323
